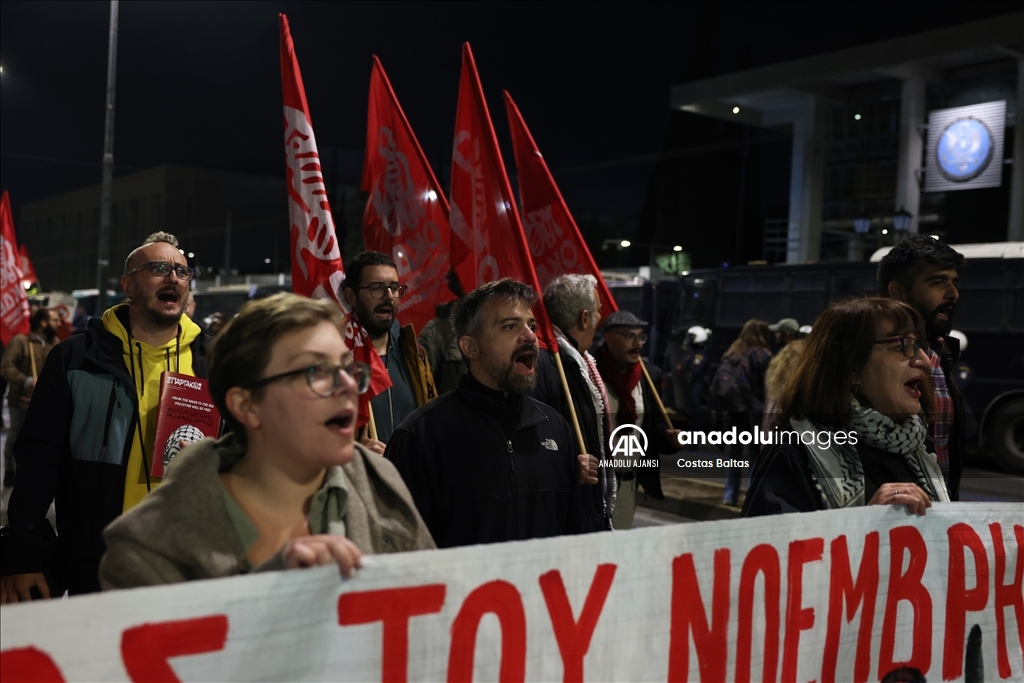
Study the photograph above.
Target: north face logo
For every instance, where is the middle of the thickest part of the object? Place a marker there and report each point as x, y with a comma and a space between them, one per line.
549, 444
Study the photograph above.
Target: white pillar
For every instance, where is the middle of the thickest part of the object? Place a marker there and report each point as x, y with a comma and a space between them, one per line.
806, 182
908, 172
1015, 229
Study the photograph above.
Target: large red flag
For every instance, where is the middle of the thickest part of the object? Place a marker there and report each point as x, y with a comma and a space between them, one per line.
555, 241
13, 302
28, 272
487, 241
407, 213
317, 270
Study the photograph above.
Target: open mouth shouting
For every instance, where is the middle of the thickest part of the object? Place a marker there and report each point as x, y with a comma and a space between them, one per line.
169, 296
342, 423
525, 359
914, 388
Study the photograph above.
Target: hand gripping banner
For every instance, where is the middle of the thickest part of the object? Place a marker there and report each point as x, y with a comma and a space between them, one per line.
406, 216
864, 594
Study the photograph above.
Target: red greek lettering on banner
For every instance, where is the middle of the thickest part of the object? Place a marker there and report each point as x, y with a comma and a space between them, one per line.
394, 607
574, 635
145, 649
689, 616
762, 560
28, 665
907, 587
860, 593
501, 599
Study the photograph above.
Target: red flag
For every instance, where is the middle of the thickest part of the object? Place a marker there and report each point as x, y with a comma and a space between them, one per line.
317, 270
13, 302
407, 213
555, 241
28, 273
488, 241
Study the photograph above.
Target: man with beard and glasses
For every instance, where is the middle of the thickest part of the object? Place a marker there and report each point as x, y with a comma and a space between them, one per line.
23, 358
372, 289
922, 271
486, 463
87, 440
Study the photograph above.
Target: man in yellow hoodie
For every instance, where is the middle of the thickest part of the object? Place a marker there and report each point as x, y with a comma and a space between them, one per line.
87, 440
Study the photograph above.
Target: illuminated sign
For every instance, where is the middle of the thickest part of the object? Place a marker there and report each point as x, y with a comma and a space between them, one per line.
965, 147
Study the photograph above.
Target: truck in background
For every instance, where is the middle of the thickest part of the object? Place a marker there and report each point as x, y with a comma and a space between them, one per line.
990, 313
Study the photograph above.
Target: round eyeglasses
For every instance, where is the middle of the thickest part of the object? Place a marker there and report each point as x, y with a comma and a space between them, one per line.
909, 346
377, 289
163, 269
630, 336
324, 379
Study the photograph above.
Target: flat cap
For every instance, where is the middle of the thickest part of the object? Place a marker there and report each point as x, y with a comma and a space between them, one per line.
623, 319
785, 325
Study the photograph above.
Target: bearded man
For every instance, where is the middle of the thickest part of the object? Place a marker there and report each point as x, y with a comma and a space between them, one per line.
373, 291
486, 463
922, 271
87, 440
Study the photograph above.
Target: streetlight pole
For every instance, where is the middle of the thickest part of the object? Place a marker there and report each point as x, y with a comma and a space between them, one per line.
108, 167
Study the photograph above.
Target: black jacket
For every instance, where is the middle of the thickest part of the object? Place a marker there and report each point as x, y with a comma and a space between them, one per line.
483, 468
782, 481
949, 356
54, 465
549, 391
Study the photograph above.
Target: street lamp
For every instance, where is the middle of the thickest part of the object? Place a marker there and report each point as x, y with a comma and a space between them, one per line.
862, 225
901, 220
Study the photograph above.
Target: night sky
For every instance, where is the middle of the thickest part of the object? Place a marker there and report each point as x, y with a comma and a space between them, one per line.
198, 84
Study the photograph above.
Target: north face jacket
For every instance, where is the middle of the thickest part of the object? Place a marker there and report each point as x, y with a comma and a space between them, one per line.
483, 468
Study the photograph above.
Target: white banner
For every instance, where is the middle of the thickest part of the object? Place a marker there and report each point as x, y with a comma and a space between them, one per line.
829, 596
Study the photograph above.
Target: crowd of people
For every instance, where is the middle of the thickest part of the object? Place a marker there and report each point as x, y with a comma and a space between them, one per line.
483, 436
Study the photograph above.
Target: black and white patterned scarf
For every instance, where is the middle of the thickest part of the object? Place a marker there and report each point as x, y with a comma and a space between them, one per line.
837, 470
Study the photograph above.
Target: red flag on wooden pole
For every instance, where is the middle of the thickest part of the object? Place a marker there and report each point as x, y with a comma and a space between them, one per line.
556, 243
13, 302
406, 216
317, 270
488, 241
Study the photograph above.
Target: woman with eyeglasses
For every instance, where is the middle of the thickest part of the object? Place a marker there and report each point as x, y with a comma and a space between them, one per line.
287, 486
852, 430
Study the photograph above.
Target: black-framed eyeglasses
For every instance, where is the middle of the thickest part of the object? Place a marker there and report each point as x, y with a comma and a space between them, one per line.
163, 269
632, 336
377, 289
324, 379
909, 346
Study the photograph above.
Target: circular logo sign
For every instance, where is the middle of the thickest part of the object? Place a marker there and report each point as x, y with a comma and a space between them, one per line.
964, 150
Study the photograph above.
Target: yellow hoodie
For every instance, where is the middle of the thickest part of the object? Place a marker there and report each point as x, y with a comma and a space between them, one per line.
145, 363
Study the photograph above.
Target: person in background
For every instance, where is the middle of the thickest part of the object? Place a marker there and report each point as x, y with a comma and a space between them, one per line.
23, 359
574, 306
862, 373
783, 332
287, 486
87, 440
373, 291
747, 357
439, 343
922, 271
780, 369
631, 401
